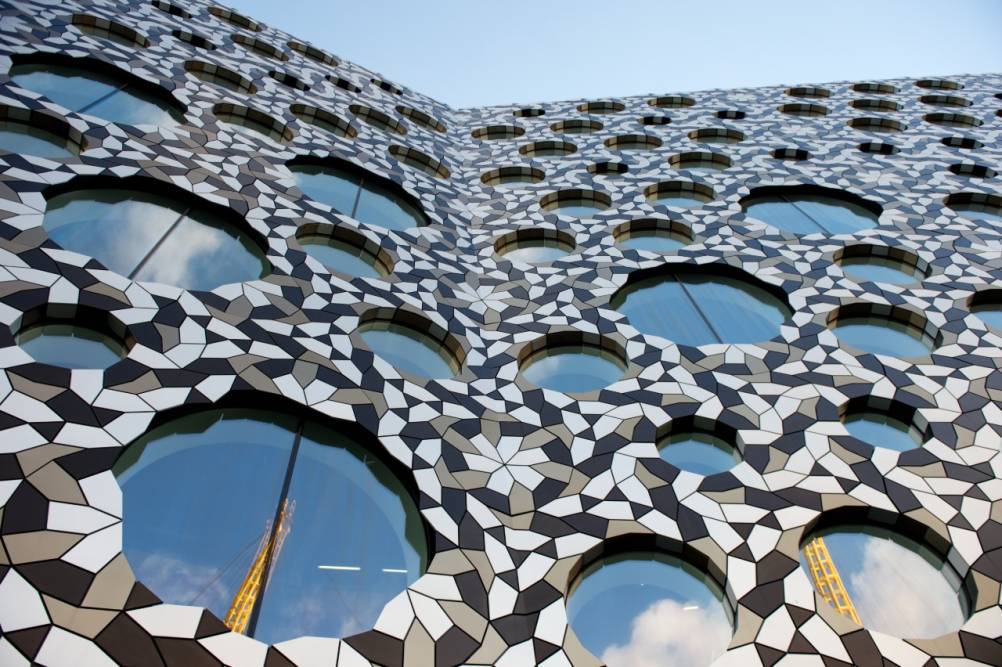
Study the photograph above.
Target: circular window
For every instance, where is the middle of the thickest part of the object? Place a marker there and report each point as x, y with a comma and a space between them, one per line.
939, 84
26, 132
953, 120
252, 122
601, 107
97, 89
216, 500
633, 142
572, 368
607, 168
496, 132
514, 174
717, 135
699, 160
360, 195
874, 104
967, 143
528, 112
652, 234
880, 428
423, 162
873, 124
683, 194
345, 252
808, 91
973, 170
880, 264
702, 308
576, 126
405, 346
805, 110
885, 581
976, 206
811, 210
313, 53
699, 452
897, 334
649, 608
548, 149
875, 88
791, 153
377, 119
324, 119
220, 76
68, 344
178, 240
421, 118
109, 30
576, 202
945, 101
672, 101
878, 148
535, 245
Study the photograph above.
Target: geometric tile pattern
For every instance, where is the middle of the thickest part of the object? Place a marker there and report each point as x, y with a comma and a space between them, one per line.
519, 485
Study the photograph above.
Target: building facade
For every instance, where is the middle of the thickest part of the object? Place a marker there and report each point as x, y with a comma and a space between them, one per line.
301, 366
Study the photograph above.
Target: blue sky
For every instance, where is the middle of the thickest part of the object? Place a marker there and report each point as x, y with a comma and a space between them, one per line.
468, 53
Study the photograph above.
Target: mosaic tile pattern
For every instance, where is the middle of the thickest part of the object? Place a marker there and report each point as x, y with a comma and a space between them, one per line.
519, 485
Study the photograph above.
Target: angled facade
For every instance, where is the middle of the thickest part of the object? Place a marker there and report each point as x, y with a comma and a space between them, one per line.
302, 367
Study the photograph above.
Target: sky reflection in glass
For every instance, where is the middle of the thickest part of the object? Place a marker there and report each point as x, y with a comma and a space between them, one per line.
653, 241
70, 346
643, 608
882, 430
982, 212
880, 270
572, 368
153, 238
340, 256
536, 251
353, 194
407, 350
990, 314
110, 96
24, 139
693, 309
810, 214
578, 210
201, 493
699, 452
680, 199
882, 336
898, 586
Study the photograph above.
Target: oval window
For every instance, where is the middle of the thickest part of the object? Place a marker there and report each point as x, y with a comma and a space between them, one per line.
811, 210
155, 238
882, 430
649, 608
70, 345
108, 93
871, 268
699, 452
573, 369
877, 334
26, 139
700, 309
359, 195
409, 350
217, 500
343, 256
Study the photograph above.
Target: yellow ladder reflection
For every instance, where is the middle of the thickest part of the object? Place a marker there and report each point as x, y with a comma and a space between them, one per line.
240, 610
827, 579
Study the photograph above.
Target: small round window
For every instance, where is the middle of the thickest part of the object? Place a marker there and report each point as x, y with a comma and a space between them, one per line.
700, 309
811, 210
21, 132
649, 608
68, 344
95, 89
866, 330
891, 427
360, 195
698, 451
976, 206
218, 500
156, 238
573, 368
879, 264
885, 581
407, 348
535, 246
343, 251
653, 235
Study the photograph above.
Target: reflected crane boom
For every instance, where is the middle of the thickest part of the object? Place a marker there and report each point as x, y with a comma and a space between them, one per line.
827, 580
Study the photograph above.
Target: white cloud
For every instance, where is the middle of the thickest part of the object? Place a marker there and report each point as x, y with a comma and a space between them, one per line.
669, 633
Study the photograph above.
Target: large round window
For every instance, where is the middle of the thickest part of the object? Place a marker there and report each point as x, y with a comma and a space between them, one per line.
99, 90
217, 501
362, 196
154, 237
811, 210
699, 309
649, 608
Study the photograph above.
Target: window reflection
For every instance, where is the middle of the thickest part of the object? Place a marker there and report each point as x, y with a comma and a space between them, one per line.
880, 270
24, 139
887, 582
109, 94
206, 512
681, 199
694, 309
153, 238
366, 198
573, 368
653, 240
810, 214
409, 350
341, 256
882, 430
880, 335
699, 452
642, 608
70, 346
990, 314
535, 251
984, 212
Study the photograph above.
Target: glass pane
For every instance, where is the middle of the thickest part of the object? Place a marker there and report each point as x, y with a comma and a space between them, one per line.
26, 140
654, 241
202, 253
70, 346
71, 87
327, 185
649, 609
572, 368
355, 541
670, 199
990, 314
407, 350
779, 213
880, 270
738, 312
116, 227
882, 430
339, 256
895, 585
379, 206
541, 251
980, 212
701, 453
882, 336
200, 494
659, 306
134, 107
836, 216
